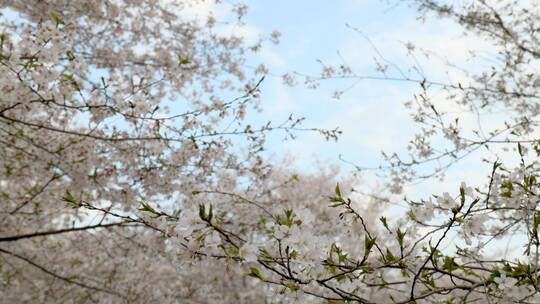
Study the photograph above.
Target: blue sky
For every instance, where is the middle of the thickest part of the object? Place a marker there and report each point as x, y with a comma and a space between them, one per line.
371, 114
314, 30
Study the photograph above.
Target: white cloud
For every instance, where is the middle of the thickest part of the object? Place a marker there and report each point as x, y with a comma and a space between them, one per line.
272, 58
283, 102
202, 9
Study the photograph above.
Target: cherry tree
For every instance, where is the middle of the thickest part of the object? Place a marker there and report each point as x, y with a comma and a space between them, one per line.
124, 151
128, 176
441, 250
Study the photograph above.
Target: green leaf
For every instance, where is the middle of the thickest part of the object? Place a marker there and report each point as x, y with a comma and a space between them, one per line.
71, 80
496, 165
450, 264
385, 223
56, 18
368, 244
292, 286
147, 208
462, 195
183, 60
390, 256
293, 254
400, 237
288, 213
202, 212
342, 257
256, 273
536, 220
207, 217
68, 77
69, 198
69, 55
508, 187
338, 191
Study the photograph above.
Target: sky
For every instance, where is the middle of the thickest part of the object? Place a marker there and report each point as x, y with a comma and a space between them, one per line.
371, 113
